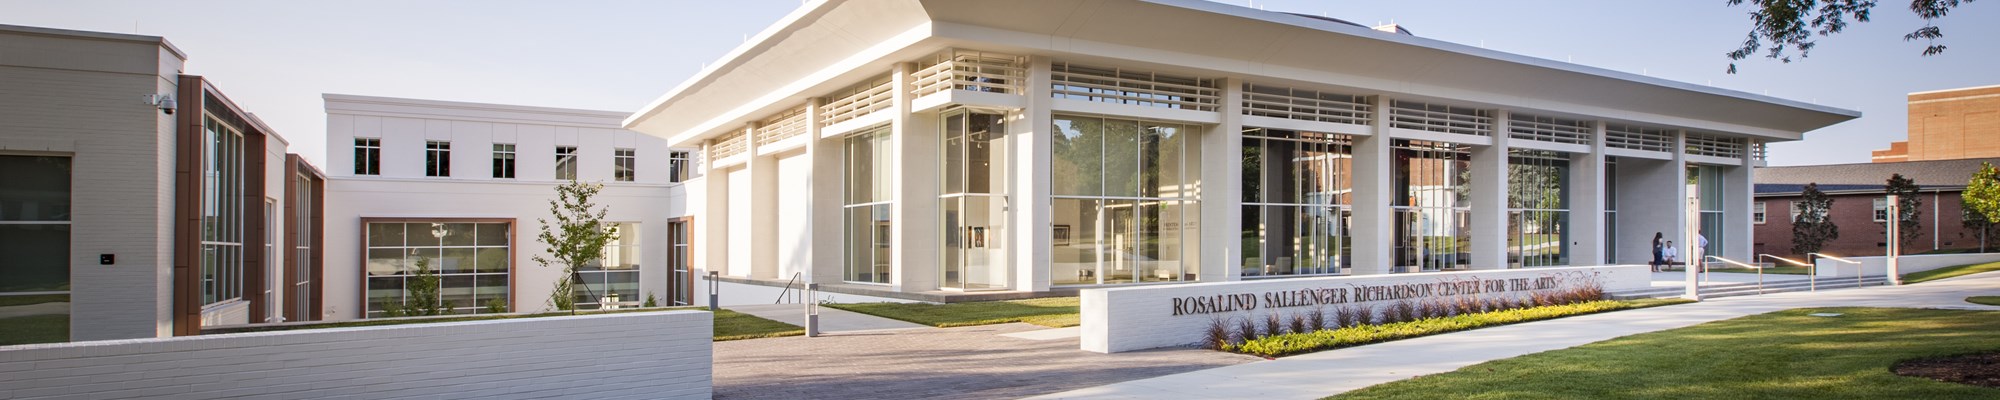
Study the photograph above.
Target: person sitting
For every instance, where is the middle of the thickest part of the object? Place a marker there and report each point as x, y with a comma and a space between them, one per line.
1672, 255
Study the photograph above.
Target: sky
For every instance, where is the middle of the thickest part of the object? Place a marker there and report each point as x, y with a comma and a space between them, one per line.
275, 58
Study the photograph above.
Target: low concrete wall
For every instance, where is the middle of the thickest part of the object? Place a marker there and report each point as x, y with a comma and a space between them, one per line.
1876, 266
606, 356
1136, 318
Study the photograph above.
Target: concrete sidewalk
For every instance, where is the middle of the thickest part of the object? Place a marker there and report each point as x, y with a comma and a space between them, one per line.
1327, 373
830, 319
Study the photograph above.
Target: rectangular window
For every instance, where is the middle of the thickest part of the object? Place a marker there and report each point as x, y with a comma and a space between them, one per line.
1122, 200
973, 200
1297, 189
1757, 213
437, 158
221, 213
680, 284
869, 164
680, 166
473, 262
1881, 209
1538, 208
1431, 201
301, 289
565, 163
623, 163
367, 156
503, 160
34, 223
614, 276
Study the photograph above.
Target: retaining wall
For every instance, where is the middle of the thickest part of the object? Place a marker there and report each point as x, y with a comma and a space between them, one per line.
1877, 266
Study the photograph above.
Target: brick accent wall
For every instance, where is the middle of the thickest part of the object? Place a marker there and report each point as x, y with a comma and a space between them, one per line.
1860, 235
609, 356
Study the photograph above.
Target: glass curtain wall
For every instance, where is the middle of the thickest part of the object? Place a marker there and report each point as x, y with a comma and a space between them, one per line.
1432, 205
471, 259
869, 167
1123, 201
617, 273
1297, 196
974, 198
1537, 208
1708, 185
222, 213
680, 283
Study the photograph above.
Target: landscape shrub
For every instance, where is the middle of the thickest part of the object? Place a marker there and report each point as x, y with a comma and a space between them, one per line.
1296, 343
1273, 325
1246, 329
1401, 311
1299, 323
1216, 337
1318, 318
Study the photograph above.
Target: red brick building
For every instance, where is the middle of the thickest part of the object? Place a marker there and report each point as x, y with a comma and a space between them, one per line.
1859, 206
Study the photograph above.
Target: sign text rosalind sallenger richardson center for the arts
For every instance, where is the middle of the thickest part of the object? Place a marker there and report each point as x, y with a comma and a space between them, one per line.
1222, 303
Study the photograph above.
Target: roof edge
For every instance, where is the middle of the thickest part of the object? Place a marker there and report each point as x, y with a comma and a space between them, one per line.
732, 59
122, 37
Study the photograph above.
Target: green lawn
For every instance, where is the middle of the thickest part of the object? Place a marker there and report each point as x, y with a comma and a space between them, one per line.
1986, 300
1947, 272
51, 328
1780, 355
1054, 312
729, 325
32, 299
1767, 270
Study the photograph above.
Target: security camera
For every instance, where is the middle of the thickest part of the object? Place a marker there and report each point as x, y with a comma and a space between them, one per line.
164, 102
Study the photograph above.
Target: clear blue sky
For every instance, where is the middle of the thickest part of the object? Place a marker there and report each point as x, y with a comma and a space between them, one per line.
275, 58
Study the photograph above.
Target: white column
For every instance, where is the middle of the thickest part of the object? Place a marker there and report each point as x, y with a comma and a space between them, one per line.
915, 230
1373, 234
1587, 202
1489, 199
712, 217
824, 214
1221, 169
763, 204
1738, 192
1682, 210
1029, 200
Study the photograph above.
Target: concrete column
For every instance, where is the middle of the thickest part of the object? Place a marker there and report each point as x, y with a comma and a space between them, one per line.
1489, 199
1373, 234
1221, 188
915, 232
1587, 202
1738, 190
1028, 199
824, 211
763, 204
1680, 194
712, 222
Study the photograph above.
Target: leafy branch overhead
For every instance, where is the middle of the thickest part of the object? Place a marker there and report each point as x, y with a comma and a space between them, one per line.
1779, 26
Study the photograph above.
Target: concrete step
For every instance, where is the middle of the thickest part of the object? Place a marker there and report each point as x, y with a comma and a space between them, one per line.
1746, 289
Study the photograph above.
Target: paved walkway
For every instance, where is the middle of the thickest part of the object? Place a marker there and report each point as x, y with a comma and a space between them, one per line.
830, 319
977, 362
1333, 372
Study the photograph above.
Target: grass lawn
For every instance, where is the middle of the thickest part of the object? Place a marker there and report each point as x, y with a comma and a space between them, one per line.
52, 328
729, 325
1947, 272
1767, 270
32, 299
1987, 300
1784, 355
1053, 312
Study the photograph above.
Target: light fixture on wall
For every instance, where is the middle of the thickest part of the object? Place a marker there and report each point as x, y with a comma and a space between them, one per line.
164, 101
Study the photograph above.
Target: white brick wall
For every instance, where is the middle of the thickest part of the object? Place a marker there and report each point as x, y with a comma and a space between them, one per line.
1879, 265
1137, 318
610, 356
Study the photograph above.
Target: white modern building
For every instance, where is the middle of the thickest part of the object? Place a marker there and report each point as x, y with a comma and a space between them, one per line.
465, 186
959, 149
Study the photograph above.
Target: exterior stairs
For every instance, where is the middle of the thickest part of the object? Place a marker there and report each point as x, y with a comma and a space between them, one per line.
1732, 289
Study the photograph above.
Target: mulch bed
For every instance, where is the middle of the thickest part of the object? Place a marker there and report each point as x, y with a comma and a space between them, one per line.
1982, 369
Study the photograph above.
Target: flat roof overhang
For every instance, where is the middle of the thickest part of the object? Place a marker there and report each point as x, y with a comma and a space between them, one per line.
826, 45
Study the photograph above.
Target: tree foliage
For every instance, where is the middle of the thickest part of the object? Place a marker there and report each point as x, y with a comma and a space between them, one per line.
1981, 201
1813, 227
420, 294
576, 238
1909, 205
1778, 26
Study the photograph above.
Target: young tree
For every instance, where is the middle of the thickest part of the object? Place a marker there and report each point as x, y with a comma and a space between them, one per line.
576, 238
1812, 229
1981, 200
1793, 24
423, 291
1910, 206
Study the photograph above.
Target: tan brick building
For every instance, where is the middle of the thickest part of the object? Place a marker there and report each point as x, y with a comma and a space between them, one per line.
1949, 124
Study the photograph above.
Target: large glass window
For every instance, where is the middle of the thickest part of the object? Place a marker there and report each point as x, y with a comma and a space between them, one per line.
617, 273
302, 230
974, 199
680, 284
503, 160
367, 156
624, 164
1708, 185
1297, 191
1537, 208
1123, 201
680, 165
869, 169
1431, 203
1610, 210
565, 163
222, 213
34, 223
437, 158
473, 261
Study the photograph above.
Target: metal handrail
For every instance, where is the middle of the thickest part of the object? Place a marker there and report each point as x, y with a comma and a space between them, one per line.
788, 288
1857, 267
1760, 271
1810, 271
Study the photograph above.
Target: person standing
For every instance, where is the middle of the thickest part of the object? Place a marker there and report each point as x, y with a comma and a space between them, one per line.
1659, 260
1701, 251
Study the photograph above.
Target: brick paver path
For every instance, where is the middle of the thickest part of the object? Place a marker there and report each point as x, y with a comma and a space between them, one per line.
958, 363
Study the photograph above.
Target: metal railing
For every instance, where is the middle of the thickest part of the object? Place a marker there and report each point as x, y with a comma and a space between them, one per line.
970, 70
783, 125
1305, 105
1811, 273
1857, 267
788, 290
1550, 129
858, 100
1638, 138
1123, 86
1440, 118
1714, 146
1760, 271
